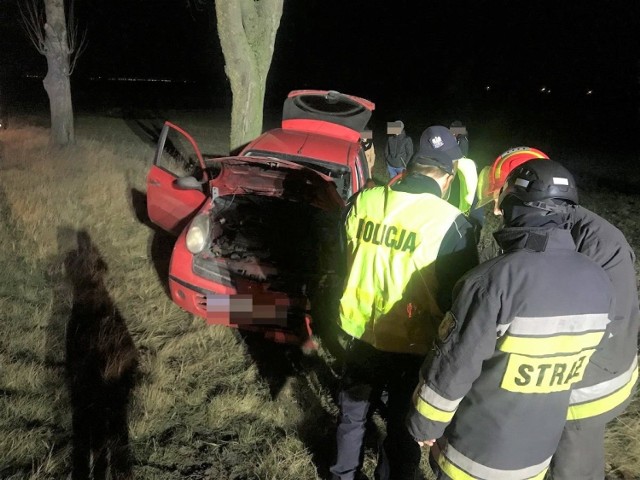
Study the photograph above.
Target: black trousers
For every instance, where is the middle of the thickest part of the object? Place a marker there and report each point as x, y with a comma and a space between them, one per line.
368, 372
580, 454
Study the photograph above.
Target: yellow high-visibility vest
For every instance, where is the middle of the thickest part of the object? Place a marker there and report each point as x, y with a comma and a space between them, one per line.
468, 175
393, 239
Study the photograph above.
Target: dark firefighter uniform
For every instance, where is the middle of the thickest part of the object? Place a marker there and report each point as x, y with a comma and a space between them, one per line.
610, 380
519, 336
406, 248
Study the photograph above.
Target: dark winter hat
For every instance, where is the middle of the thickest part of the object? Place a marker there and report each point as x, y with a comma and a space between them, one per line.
438, 147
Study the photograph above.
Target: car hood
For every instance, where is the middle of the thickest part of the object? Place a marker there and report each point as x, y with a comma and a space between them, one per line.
315, 146
273, 177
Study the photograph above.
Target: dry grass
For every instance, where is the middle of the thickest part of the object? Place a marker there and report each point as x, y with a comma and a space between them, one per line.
200, 410
207, 404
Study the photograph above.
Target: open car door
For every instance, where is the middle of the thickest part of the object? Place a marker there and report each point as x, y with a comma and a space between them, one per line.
170, 205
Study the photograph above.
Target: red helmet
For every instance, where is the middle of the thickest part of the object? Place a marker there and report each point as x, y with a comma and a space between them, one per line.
492, 178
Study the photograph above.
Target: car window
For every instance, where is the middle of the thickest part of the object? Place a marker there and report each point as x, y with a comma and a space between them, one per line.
178, 156
340, 174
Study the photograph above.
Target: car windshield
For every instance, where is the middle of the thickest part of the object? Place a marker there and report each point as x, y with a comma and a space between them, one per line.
340, 175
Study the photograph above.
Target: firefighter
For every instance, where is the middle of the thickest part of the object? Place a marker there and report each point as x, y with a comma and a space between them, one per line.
495, 389
610, 380
405, 249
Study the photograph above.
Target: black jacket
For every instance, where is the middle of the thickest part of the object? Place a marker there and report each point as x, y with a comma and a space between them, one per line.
399, 150
610, 380
518, 336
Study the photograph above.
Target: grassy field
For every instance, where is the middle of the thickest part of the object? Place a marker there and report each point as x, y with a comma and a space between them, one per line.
208, 403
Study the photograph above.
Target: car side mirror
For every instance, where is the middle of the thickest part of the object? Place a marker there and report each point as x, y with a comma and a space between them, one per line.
187, 183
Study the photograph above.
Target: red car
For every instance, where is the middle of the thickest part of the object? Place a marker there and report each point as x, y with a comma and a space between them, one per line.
258, 233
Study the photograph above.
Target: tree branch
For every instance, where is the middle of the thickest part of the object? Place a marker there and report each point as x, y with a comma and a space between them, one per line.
33, 20
76, 46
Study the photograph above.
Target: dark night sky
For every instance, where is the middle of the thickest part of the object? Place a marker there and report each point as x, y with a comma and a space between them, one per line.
398, 53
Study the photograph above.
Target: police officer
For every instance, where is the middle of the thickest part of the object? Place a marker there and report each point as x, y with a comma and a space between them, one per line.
405, 249
611, 378
462, 193
463, 189
518, 337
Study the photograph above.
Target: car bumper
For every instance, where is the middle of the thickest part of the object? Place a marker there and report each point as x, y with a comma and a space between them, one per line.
254, 307
277, 318
237, 302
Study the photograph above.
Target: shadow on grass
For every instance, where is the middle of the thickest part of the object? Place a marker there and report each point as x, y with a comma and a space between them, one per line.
275, 362
147, 130
160, 244
315, 389
317, 430
101, 365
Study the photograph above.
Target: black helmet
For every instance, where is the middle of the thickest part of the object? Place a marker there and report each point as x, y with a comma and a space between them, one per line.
537, 181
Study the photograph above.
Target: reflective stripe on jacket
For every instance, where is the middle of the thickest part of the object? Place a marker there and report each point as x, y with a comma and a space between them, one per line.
611, 378
517, 339
391, 292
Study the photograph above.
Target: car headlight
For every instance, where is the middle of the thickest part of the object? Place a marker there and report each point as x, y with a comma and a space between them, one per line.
198, 234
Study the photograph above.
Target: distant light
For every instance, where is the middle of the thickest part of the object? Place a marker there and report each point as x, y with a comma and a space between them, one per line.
543, 89
123, 79
589, 92
487, 88
549, 91
135, 79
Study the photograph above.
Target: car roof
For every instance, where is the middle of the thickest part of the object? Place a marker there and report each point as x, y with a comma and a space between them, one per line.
310, 145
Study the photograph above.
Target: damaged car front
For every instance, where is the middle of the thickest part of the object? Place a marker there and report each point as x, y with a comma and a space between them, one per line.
257, 236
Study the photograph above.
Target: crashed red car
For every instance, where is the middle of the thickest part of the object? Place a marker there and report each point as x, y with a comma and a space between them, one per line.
258, 233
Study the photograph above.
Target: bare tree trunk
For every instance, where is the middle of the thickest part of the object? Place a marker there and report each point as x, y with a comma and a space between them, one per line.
57, 81
247, 31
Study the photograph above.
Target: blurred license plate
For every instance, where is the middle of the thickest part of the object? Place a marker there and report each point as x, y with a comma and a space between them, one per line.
243, 309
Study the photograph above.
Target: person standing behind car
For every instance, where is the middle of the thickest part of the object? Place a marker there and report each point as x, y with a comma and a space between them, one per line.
366, 140
405, 249
399, 149
610, 380
462, 136
495, 390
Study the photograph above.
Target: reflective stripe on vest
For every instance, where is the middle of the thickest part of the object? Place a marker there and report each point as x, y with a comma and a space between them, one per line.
393, 240
468, 174
460, 467
549, 354
603, 397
